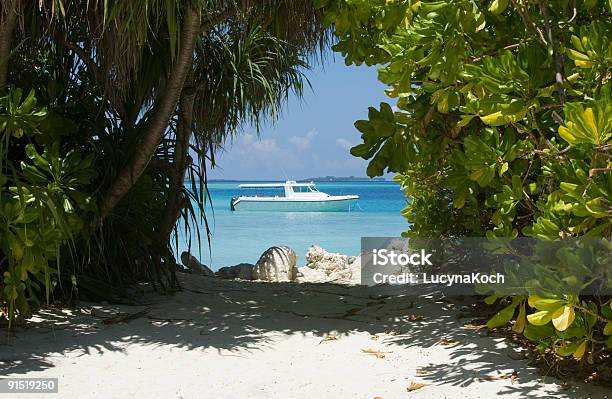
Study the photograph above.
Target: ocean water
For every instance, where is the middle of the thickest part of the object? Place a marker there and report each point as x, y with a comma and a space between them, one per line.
243, 236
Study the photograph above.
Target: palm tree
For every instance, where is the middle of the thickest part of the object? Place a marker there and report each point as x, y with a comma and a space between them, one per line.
169, 79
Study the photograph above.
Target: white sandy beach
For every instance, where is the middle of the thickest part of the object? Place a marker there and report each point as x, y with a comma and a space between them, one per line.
237, 339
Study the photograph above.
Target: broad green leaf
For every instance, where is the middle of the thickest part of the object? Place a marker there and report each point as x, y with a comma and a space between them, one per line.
576, 55
608, 328
606, 311
498, 6
580, 351
538, 333
465, 119
502, 317
563, 317
568, 187
539, 318
597, 207
548, 304
583, 126
501, 118
483, 176
567, 348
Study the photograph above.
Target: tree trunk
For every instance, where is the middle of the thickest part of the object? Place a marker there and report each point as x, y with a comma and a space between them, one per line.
6, 36
181, 151
165, 108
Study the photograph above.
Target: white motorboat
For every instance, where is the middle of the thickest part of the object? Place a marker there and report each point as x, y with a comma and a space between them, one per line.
291, 197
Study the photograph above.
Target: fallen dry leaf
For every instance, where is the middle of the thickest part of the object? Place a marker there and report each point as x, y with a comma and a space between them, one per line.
415, 385
474, 326
328, 338
448, 342
423, 371
378, 354
414, 317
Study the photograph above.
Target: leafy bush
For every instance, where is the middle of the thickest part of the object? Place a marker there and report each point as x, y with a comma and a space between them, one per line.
132, 96
501, 128
41, 204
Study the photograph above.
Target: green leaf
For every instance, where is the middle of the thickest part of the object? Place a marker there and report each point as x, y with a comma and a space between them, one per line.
521, 320
608, 328
503, 316
606, 311
548, 304
483, 176
490, 300
539, 318
538, 333
498, 6
585, 126
576, 349
597, 207
563, 317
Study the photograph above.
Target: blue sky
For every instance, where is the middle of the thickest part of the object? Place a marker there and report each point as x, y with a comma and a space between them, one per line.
314, 134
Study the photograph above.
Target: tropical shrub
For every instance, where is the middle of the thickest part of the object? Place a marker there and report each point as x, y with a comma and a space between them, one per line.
42, 205
105, 158
501, 127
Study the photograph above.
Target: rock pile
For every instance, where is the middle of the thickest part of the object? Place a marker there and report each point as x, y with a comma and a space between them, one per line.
328, 267
278, 264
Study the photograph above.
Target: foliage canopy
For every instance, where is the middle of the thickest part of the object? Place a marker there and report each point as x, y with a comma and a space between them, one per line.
501, 127
103, 106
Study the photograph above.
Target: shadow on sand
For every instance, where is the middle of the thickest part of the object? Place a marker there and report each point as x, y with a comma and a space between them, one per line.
234, 316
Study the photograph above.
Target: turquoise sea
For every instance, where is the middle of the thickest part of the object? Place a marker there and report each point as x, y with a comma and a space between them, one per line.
243, 236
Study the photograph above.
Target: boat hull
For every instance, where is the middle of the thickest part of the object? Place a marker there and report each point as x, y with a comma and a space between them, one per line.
281, 205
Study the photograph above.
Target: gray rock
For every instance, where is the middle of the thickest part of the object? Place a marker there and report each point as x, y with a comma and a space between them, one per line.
245, 271
276, 264
228, 272
194, 266
242, 271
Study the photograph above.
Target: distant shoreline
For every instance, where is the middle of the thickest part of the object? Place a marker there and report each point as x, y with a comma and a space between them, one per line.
317, 179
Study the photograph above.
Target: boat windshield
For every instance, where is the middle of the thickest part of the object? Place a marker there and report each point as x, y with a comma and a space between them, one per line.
304, 189
265, 192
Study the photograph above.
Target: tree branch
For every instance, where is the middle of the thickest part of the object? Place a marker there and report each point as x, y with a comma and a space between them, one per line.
6, 36
89, 62
181, 148
528, 22
594, 171
557, 57
164, 109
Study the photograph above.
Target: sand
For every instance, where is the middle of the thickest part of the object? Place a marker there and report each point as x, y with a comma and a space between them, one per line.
239, 339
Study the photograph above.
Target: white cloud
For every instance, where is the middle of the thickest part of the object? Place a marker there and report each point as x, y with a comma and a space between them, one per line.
303, 142
265, 146
344, 144
250, 145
